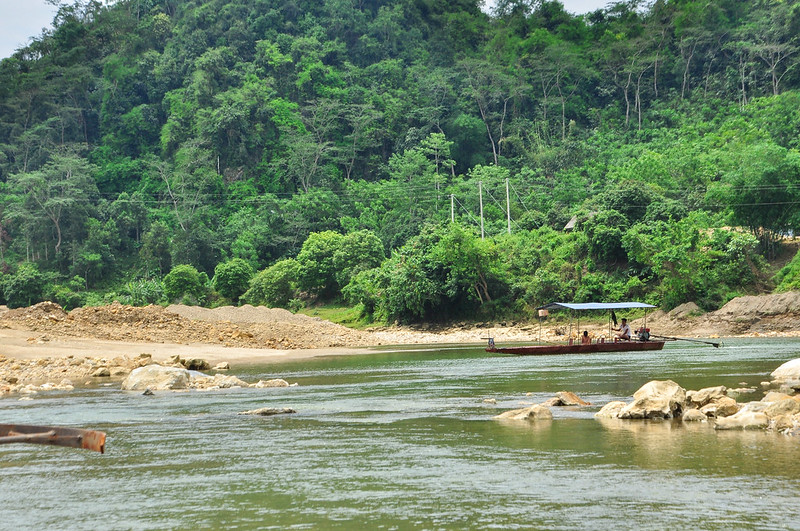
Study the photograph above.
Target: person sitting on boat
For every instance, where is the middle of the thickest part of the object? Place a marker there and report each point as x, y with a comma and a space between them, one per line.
624, 330
585, 339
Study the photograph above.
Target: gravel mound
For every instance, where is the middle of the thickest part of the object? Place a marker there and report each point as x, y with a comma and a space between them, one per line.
246, 314
227, 326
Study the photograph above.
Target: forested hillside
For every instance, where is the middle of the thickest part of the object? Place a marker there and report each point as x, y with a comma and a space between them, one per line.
417, 159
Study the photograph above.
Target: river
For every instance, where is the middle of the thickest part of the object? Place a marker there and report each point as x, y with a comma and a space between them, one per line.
404, 440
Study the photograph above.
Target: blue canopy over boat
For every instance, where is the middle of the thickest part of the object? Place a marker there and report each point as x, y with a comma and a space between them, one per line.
595, 305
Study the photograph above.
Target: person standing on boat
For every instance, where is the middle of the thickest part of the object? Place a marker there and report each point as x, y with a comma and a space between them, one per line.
624, 330
585, 339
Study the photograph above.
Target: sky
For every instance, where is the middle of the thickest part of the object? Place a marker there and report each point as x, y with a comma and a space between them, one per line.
20, 20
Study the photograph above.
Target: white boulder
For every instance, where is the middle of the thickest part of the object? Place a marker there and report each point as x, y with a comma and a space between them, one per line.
704, 396
658, 399
788, 371
156, 378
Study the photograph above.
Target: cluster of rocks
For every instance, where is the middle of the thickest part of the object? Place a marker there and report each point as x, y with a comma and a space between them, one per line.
666, 399
778, 410
170, 378
63, 374
30, 376
542, 411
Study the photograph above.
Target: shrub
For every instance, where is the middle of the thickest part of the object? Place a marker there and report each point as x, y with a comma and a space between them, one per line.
274, 286
185, 283
65, 296
232, 278
24, 287
142, 292
788, 278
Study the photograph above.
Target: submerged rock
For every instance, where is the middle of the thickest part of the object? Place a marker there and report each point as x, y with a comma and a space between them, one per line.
611, 410
534, 412
694, 415
568, 398
276, 382
743, 420
269, 411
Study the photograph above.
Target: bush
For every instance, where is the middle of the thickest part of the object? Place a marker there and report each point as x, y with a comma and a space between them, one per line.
365, 289
232, 278
788, 278
185, 283
274, 286
24, 287
65, 296
142, 292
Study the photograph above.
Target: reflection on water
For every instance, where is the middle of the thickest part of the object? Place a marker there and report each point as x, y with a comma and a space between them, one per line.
404, 440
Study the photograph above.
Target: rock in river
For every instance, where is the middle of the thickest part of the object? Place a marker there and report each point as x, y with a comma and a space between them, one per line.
659, 399
156, 378
534, 412
269, 411
788, 371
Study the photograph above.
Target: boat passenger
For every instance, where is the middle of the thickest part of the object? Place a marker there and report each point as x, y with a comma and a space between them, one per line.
624, 330
585, 339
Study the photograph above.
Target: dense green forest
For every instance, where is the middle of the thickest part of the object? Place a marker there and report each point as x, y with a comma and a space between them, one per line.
415, 159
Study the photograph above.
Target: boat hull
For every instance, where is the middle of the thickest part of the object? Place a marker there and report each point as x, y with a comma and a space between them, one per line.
538, 350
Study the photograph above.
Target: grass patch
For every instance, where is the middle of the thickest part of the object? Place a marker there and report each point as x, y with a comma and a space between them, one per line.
344, 315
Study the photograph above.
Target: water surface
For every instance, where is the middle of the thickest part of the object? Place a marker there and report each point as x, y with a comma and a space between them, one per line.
404, 440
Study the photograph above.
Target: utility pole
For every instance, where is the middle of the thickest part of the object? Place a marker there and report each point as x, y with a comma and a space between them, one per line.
480, 194
452, 210
508, 208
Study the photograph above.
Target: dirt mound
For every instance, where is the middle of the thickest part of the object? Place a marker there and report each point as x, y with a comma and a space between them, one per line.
240, 314
772, 314
37, 312
760, 305
252, 327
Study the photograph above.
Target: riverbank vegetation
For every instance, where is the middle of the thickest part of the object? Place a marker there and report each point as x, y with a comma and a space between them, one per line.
411, 159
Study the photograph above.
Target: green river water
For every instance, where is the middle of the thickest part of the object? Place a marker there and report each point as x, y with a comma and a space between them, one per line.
404, 440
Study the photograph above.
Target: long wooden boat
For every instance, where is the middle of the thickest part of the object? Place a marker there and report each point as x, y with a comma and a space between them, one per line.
53, 435
641, 341
537, 350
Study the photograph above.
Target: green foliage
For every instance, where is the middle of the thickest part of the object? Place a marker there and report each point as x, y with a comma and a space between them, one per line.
24, 287
65, 296
358, 251
184, 283
142, 292
232, 278
692, 265
788, 278
275, 286
154, 251
318, 271
334, 133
